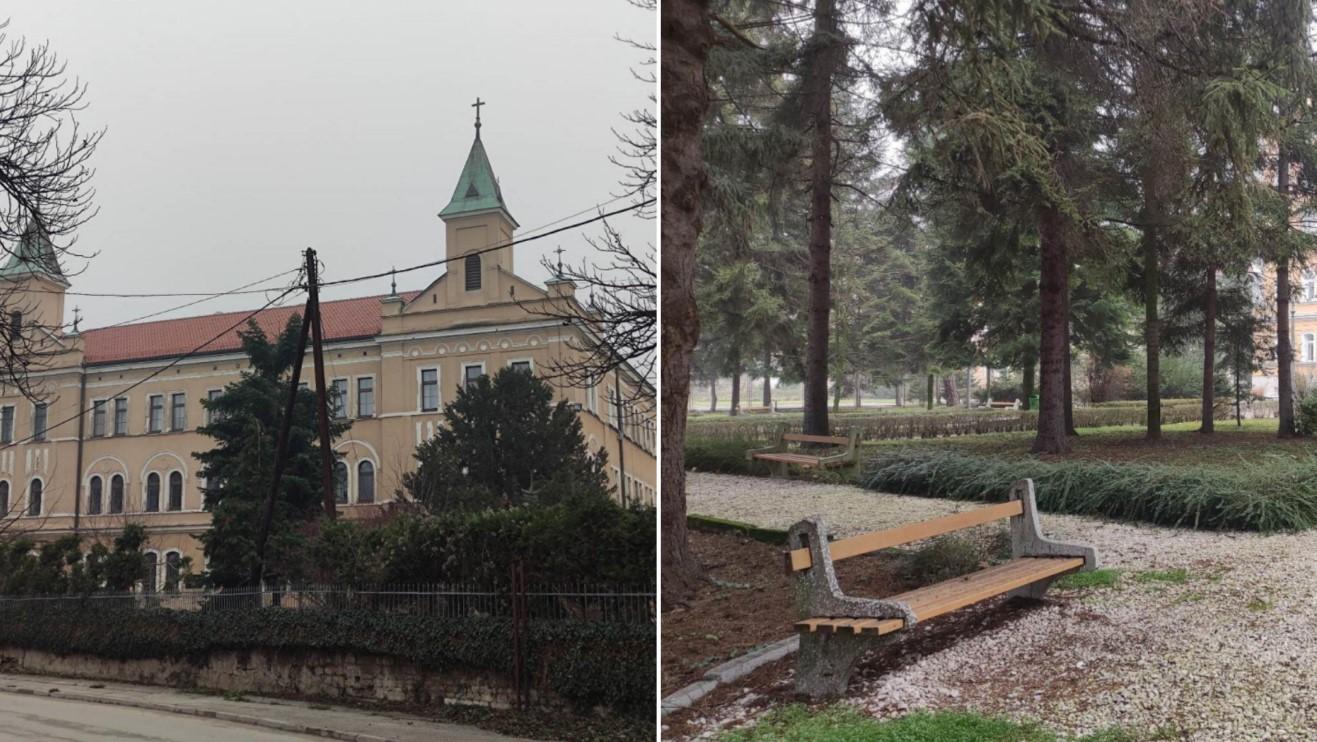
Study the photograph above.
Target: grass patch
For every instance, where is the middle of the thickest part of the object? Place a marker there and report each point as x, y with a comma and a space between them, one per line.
841, 723
1176, 576
1277, 495
709, 524
1259, 604
1093, 579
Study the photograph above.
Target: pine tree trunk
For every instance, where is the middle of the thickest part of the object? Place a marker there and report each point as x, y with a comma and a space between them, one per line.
1027, 383
768, 380
949, 390
836, 396
857, 390
736, 383
928, 397
1209, 352
818, 87
1069, 374
1152, 326
686, 38
1284, 348
713, 394
1051, 437
898, 391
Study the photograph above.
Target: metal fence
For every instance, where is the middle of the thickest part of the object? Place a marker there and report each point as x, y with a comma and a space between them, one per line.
581, 602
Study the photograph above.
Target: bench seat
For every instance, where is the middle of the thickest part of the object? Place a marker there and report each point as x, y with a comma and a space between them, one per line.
799, 459
832, 451
954, 594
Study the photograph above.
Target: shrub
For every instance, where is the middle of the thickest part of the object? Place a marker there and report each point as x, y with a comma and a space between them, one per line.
945, 557
586, 663
1305, 423
1281, 495
722, 456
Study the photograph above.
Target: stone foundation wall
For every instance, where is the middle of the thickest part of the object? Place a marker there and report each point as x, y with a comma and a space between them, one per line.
319, 675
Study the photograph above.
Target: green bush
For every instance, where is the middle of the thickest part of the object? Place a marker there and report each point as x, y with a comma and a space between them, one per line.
1305, 423
589, 538
1271, 496
945, 557
722, 457
587, 663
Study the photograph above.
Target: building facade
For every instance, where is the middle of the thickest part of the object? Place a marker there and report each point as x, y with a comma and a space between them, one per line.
105, 434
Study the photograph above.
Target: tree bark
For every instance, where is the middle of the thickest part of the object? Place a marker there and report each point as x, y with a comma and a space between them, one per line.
1284, 348
1027, 383
818, 84
898, 391
1068, 373
736, 384
713, 394
949, 390
685, 38
928, 397
768, 379
1151, 321
857, 390
1053, 272
1209, 352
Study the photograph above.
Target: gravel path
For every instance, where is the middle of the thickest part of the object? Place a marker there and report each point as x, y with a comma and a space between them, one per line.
1228, 654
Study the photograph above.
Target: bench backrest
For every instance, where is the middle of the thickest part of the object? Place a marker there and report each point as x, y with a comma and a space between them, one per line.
799, 559
802, 438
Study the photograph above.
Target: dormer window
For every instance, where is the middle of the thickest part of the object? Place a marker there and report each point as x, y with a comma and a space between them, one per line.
473, 273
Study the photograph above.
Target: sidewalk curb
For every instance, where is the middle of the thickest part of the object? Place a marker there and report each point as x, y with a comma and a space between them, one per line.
729, 671
256, 721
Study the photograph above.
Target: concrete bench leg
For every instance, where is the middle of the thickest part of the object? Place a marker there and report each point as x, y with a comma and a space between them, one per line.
1035, 591
826, 660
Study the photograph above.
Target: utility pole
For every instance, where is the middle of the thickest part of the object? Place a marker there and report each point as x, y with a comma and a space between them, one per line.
322, 410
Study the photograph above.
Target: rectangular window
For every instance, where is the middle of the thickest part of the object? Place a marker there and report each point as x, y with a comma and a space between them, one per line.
156, 420
39, 421
211, 396
1309, 347
520, 366
338, 398
366, 397
592, 398
121, 416
7, 424
471, 374
178, 412
612, 407
429, 389
98, 418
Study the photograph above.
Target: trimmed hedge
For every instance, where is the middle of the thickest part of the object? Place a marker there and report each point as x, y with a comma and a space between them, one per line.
709, 524
586, 663
938, 423
722, 457
1276, 496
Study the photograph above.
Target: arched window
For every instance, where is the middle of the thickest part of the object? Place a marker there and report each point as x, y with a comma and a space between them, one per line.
152, 492
472, 263
152, 570
116, 493
4, 498
94, 496
34, 497
365, 482
340, 482
173, 564
175, 491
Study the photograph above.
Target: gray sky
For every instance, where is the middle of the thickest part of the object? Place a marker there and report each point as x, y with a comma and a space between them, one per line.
240, 133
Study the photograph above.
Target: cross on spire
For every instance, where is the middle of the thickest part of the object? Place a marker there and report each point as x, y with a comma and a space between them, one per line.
477, 106
559, 251
77, 316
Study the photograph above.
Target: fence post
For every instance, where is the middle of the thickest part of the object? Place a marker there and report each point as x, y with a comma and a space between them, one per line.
520, 621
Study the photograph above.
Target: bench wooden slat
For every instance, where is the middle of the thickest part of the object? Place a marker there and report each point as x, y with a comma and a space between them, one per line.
799, 559
789, 458
935, 600
803, 438
950, 595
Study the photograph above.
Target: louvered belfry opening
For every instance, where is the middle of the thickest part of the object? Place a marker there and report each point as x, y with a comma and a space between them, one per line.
472, 272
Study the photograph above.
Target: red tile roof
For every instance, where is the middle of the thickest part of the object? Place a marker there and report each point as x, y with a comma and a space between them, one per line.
343, 320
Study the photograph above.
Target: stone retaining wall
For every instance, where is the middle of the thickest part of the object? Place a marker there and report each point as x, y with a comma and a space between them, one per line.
318, 675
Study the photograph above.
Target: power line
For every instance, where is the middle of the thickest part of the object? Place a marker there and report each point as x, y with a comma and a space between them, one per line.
204, 299
482, 251
160, 370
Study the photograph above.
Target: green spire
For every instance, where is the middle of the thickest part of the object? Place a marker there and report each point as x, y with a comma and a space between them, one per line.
477, 188
34, 256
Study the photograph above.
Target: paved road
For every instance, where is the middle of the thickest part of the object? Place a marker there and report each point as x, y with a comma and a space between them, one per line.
38, 718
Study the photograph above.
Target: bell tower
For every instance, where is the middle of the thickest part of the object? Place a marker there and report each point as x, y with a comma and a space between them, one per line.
476, 218
33, 284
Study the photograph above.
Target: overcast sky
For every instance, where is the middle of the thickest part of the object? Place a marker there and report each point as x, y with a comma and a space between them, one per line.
240, 133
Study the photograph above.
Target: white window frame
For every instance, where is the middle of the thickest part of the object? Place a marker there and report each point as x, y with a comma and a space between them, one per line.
105, 489
45, 428
160, 496
347, 398
109, 493
374, 484
210, 415
27, 497
150, 429
592, 398
155, 573
105, 419
170, 412
182, 492
465, 366
529, 361
114, 415
164, 568
9, 511
355, 391
438, 389
348, 499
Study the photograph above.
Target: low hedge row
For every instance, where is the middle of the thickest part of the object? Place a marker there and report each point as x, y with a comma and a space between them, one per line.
586, 663
710, 524
875, 426
722, 457
1276, 495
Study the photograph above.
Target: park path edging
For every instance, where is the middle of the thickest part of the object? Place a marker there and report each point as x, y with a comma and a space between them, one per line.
729, 671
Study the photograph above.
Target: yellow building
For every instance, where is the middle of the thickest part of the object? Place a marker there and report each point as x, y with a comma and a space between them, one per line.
107, 434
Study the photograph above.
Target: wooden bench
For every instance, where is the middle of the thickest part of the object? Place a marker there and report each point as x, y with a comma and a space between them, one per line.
838, 451
1003, 405
836, 629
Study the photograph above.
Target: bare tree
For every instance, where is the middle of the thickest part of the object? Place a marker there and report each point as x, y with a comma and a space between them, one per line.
619, 316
